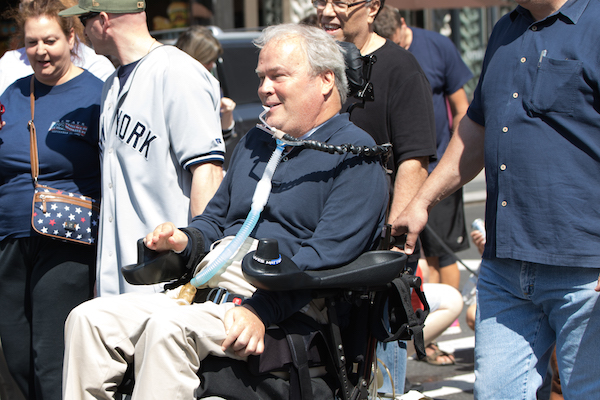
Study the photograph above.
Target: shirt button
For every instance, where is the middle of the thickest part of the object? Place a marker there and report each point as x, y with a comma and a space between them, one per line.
515, 95
110, 185
505, 129
110, 219
534, 28
504, 203
523, 59
110, 151
503, 167
284, 159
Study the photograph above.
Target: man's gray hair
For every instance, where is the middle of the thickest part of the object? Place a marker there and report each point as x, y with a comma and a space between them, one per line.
322, 51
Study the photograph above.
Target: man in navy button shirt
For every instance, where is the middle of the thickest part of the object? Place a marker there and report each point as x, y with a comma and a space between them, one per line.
534, 121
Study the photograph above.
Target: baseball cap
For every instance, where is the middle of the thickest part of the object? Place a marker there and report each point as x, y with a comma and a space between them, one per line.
109, 6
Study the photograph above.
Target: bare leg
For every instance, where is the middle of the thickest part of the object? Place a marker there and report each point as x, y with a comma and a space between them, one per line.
448, 274
448, 308
471, 311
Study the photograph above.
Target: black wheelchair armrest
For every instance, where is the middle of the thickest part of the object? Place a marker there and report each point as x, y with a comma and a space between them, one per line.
371, 269
154, 267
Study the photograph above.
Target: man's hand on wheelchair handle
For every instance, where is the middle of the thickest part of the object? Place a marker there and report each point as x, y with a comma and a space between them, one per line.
411, 221
245, 332
166, 237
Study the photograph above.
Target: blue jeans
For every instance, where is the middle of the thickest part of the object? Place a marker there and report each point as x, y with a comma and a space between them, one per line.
394, 356
522, 310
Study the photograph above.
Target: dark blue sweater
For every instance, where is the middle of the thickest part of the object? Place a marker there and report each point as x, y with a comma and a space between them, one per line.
324, 209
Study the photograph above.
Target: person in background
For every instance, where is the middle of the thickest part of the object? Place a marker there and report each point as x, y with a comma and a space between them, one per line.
14, 64
42, 278
200, 43
447, 74
401, 113
445, 304
161, 143
533, 123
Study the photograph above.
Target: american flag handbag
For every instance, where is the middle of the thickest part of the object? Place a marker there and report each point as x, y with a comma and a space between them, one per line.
56, 213
64, 215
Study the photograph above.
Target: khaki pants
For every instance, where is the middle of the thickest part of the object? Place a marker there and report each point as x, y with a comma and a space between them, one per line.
165, 340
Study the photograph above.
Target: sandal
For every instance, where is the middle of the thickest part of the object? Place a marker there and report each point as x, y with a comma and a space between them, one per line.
433, 358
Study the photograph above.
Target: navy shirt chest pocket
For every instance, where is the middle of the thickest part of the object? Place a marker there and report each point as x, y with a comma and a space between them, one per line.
555, 87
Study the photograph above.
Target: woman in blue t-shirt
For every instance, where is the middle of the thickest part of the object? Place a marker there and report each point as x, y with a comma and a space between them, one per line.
41, 278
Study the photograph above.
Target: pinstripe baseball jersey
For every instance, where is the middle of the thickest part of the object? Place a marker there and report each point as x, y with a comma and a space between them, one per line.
163, 120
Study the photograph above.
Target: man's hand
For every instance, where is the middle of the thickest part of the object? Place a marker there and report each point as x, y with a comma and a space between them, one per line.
166, 237
410, 221
245, 332
598, 285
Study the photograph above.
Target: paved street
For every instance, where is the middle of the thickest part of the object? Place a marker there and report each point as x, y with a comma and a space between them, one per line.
455, 382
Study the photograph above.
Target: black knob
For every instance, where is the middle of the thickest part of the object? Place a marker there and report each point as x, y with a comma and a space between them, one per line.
267, 252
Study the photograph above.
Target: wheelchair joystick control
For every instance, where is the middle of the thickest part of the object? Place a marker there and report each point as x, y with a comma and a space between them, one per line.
267, 252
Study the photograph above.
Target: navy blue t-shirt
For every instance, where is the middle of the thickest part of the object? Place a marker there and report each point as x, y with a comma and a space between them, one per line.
324, 209
446, 73
66, 120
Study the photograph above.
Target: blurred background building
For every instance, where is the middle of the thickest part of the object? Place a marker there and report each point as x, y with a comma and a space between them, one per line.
467, 22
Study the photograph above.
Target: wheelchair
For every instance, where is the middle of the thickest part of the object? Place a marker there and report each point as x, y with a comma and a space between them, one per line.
304, 360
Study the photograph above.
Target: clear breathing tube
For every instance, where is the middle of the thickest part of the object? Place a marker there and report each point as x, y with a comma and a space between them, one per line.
259, 200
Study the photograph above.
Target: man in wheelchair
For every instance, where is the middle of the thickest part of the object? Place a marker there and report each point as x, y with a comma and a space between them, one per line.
324, 210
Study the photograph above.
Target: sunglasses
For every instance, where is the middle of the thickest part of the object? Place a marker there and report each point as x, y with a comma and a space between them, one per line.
339, 6
85, 17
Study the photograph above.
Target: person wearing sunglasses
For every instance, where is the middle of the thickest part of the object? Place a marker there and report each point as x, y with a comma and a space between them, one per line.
162, 149
401, 113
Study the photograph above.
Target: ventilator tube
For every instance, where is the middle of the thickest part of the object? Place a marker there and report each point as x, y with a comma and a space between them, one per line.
259, 200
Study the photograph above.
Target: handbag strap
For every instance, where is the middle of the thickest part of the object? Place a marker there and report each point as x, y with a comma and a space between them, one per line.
33, 152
